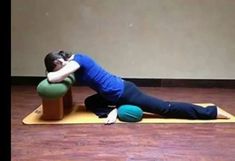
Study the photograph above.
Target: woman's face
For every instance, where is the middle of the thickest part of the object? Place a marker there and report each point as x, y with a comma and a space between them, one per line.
60, 63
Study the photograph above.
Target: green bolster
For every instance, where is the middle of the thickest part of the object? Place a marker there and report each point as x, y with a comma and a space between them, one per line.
54, 90
70, 79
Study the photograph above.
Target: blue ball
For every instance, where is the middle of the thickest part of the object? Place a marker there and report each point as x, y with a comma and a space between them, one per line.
130, 113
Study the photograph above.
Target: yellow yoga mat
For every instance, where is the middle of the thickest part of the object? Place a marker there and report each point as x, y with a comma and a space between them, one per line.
79, 115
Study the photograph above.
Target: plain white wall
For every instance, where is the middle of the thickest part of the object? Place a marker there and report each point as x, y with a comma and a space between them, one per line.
193, 39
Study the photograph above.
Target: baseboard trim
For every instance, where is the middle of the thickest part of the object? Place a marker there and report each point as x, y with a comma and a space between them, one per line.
26, 80
146, 82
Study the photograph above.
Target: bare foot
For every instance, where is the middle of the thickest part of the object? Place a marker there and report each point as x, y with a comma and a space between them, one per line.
222, 115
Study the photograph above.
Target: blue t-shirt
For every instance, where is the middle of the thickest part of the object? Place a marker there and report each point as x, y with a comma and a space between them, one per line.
93, 75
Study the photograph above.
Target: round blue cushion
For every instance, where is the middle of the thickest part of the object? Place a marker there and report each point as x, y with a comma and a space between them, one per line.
130, 113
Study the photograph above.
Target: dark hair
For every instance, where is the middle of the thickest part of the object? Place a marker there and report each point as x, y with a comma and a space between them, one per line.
52, 56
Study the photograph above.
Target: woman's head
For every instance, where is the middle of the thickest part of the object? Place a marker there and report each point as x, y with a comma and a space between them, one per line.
56, 60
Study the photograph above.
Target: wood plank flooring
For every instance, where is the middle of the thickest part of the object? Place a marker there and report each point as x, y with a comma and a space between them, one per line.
123, 142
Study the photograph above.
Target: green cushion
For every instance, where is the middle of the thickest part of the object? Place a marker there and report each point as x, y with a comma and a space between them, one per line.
70, 79
54, 90
130, 113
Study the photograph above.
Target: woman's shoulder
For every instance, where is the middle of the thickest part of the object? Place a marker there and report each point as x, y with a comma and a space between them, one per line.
82, 58
80, 54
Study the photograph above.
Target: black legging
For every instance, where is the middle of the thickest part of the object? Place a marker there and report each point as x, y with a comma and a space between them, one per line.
134, 96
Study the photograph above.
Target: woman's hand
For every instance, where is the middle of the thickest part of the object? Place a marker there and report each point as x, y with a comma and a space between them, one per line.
112, 117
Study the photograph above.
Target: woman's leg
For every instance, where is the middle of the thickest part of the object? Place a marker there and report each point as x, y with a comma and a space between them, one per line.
97, 104
133, 95
191, 111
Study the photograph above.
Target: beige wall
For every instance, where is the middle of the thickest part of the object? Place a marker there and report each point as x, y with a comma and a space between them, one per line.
131, 38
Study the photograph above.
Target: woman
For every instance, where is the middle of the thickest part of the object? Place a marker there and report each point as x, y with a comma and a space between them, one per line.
113, 91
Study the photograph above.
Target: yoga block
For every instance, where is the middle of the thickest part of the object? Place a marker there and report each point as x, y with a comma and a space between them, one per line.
53, 109
56, 98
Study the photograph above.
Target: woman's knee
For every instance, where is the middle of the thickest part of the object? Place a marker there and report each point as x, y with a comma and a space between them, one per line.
90, 101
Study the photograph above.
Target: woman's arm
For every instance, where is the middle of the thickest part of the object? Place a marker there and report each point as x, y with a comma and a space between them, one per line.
62, 73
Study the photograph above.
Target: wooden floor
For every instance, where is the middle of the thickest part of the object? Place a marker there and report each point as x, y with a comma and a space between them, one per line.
123, 142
